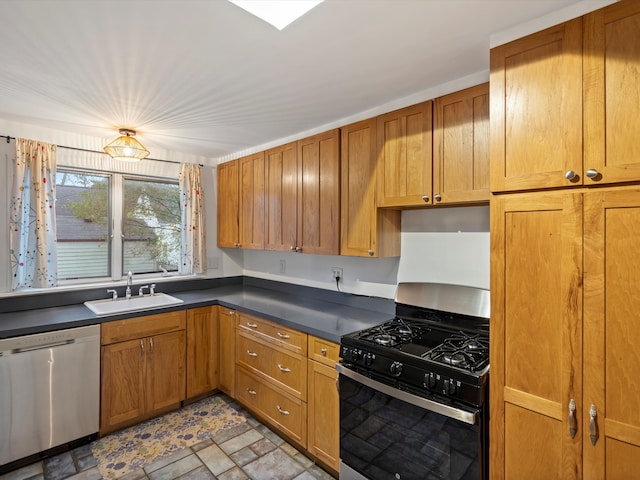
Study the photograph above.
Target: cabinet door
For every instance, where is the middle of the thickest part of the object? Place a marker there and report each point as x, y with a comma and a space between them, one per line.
366, 231
536, 110
612, 98
252, 202
611, 334
122, 384
281, 177
166, 371
536, 335
227, 318
202, 351
323, 418
228, 204
461, 146
319, 194
404, 168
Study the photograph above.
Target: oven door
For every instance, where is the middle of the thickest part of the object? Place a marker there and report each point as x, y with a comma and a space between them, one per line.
387, 433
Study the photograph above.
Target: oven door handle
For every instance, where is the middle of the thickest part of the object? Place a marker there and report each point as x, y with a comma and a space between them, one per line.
446, 410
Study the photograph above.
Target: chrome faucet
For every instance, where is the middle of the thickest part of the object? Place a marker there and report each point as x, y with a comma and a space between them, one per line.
129, 283
141, 290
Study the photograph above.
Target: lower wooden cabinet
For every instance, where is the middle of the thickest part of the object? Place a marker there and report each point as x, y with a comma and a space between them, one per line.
323, 435
283, 411
227, 323
142, 367
203, 362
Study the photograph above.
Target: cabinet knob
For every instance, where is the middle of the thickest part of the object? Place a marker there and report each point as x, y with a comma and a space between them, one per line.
437, 197
370, 252
570, 175
237, 245
292, 248
425, 198
323, 351
592, 173
298, 249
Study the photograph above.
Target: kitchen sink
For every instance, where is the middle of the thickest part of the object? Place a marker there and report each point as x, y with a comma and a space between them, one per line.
134, 304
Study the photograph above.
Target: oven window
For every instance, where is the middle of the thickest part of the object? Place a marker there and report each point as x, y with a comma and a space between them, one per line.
382, 437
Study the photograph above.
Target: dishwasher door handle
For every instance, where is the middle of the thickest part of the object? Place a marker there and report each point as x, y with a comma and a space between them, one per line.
42, 347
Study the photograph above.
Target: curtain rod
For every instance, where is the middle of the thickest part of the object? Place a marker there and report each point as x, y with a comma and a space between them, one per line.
92, 151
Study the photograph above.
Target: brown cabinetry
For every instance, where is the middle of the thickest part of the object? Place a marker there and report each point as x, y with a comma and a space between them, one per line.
241, 203
271, 377
142, 368
303, 195
550, 87
202, 351
563, 288
366, 231
227, 320
461, 146
404, 146
323, 440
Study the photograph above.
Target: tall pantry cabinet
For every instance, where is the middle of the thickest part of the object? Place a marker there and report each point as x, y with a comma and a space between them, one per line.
565, 395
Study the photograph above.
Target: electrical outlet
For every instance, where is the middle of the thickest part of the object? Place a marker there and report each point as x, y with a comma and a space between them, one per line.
337, 272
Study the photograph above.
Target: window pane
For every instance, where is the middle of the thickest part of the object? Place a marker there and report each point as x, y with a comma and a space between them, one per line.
82, 213
151, 226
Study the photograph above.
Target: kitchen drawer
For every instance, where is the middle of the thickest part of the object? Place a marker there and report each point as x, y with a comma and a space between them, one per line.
287, 337
140, 327
323, 351
274, 364
286, 413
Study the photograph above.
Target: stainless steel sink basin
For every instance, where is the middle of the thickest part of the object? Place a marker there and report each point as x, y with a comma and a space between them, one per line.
133, 304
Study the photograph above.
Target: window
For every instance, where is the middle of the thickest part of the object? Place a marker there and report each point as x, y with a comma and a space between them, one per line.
108, 224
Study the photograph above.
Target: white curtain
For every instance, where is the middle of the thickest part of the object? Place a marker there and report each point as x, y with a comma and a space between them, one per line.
32, 216
193, 257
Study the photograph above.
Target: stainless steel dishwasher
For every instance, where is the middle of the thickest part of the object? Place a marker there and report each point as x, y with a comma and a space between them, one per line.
49, 391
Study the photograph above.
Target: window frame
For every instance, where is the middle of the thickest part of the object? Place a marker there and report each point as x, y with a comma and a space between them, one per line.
116, 218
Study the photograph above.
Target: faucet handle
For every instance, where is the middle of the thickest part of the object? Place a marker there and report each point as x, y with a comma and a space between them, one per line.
152, 289
114, 294
140, 290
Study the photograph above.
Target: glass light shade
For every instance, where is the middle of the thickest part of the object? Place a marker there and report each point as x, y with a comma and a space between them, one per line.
126, 148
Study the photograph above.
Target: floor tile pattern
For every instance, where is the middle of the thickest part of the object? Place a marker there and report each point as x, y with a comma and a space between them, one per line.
249, 451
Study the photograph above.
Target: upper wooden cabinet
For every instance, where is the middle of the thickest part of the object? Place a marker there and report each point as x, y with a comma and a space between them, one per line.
241, 203
536, 110
366, 230
228, 227
404, 148
303, 195
611, 93
550, 87
461, 146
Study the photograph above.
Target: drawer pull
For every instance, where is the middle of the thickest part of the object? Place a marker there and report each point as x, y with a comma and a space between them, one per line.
283, 412
251, 354
151, 345
283, 335
283, 369
252, 325
251, 392
323, 351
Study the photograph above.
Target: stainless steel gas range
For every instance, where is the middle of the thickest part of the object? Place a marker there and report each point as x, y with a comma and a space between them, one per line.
414, 390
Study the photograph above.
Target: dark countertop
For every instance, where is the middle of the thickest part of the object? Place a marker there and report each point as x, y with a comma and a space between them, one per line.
325, 314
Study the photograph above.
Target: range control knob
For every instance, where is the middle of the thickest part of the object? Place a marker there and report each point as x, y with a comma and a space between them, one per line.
355, 355
395, 369
430, 380
450, 386
368, 359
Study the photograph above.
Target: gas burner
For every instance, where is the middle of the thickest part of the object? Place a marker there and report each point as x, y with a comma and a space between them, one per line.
454, 359
469, 352
383, 339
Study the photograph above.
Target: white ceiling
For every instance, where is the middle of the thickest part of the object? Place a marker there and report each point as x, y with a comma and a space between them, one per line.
205, 77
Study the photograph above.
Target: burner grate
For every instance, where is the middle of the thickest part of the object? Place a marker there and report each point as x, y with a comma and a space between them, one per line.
461, 350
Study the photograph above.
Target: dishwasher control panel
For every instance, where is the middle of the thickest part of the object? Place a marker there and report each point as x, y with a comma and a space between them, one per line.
14, 345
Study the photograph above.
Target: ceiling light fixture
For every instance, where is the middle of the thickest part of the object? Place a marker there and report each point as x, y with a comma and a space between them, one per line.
126, 147
278, 13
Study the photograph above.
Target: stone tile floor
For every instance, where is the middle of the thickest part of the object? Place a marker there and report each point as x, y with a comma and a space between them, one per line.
248, 451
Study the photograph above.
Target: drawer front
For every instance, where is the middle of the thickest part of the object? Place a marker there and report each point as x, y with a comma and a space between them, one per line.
132, 328
287, 337
279, 366
323, 351
286, 413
